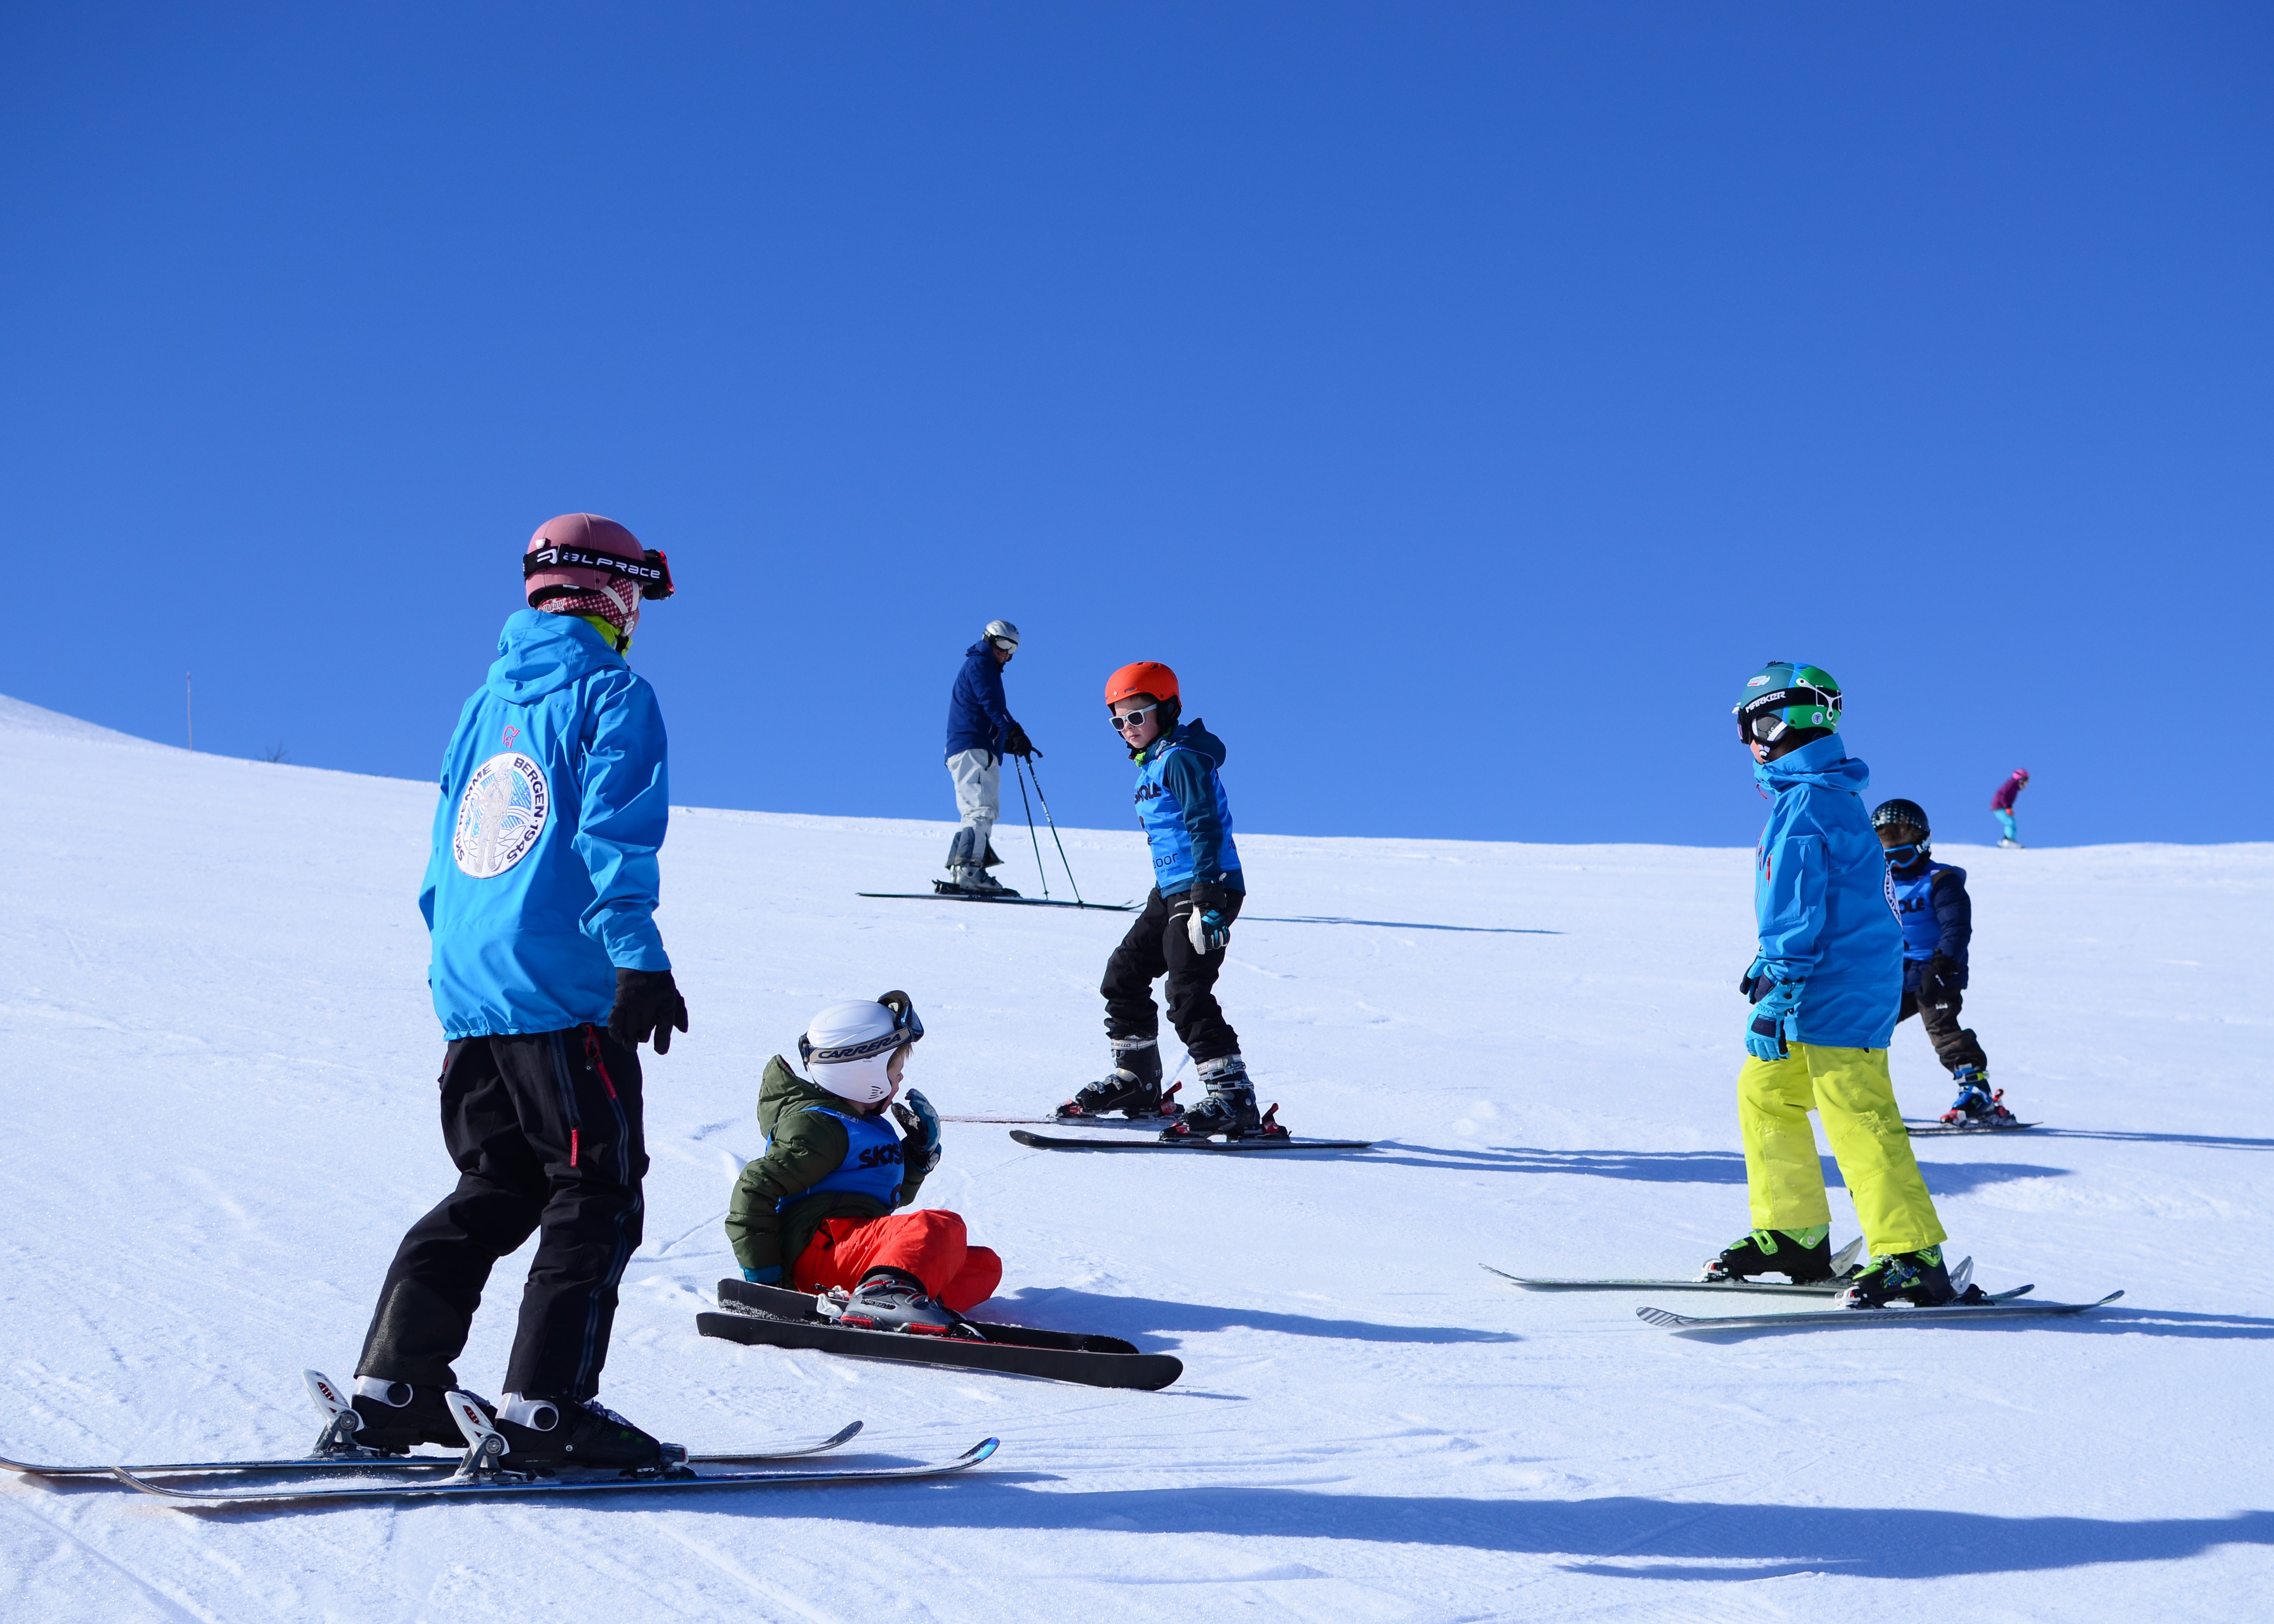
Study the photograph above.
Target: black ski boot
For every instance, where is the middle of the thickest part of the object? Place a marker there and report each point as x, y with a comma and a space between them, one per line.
1788, 1253
398, 1416
1133, 1087
1917, 1277
554, 1432
1229, 1109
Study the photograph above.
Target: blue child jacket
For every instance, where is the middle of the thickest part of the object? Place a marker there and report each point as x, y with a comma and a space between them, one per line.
1820, 899
1934, 910
1182, 809
542, 879
978, 716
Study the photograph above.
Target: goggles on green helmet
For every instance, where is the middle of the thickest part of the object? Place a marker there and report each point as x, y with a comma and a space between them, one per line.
1791, 697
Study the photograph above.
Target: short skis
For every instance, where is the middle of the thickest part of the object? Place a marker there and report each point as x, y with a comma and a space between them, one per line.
1016, 902
1043, 1141
2001, 1306
769, 1316
1920, 1128
1843, 1266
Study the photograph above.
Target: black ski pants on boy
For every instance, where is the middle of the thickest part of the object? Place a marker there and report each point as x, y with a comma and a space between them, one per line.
546, 1130
1160, 944
1954, 1045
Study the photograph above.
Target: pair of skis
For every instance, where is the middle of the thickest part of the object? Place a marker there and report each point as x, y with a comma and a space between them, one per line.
481, 1473
769, 1316
1985, 1306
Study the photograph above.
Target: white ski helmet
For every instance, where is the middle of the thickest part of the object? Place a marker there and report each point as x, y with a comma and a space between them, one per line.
848, 1046
1002, 634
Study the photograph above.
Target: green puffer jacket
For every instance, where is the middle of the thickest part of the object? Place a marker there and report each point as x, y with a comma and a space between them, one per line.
767, 1225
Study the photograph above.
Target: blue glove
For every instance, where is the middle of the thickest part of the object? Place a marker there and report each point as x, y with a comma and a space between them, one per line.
770, 1275
1210, 923
920, 1150
1775, 1022
1753, 984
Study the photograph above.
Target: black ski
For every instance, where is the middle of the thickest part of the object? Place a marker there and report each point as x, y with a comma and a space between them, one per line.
1843, 1265
2002, 1305
771, 1317
1016, 902
1038, 1141
487, 1484
1929, 1130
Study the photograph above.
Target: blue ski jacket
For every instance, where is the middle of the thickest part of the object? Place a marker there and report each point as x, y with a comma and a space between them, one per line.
1182, 809
1932, 905
978, 716
542, 880
1820, 899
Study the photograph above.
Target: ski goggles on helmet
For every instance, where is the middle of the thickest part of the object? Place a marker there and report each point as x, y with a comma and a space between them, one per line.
906, 1028
652, 571
1129, 718
1903, 856
1766, 718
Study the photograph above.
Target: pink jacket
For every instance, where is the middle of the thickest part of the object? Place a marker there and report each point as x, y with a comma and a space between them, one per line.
2003, 801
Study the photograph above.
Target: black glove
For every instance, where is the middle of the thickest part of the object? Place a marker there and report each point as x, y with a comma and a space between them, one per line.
1939, 985
1017, 743
647, 1003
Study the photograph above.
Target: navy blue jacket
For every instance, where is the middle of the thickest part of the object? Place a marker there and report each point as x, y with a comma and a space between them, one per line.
978, 717
1930, 904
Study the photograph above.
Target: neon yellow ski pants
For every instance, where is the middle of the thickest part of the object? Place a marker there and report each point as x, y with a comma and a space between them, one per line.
1850, 1089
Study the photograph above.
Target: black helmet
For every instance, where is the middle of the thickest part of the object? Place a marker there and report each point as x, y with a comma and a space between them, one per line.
1900, 811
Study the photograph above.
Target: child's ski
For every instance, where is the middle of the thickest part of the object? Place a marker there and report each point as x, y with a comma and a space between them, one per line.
486, 1484
1038, 1141
1843, 1265
1926, 1130
2003, 1305
771, 1317
1015, 902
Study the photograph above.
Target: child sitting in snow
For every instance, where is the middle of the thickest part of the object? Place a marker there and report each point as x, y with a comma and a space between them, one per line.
815, 1212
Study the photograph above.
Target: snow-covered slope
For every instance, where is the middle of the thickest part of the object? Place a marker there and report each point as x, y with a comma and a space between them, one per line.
219, 1118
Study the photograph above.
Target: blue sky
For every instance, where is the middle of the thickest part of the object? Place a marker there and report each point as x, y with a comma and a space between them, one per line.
1463, 399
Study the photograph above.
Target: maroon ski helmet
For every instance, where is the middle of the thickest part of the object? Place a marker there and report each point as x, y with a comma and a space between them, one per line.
589, 533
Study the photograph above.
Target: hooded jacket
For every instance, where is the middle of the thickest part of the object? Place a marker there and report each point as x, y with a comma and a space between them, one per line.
978, 716
810, 1171
542, 878
1820, 897
1183, 810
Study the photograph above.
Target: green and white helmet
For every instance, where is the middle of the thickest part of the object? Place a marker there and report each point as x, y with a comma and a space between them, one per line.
1785, 696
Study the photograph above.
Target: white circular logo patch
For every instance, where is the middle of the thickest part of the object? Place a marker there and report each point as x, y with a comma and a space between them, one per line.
501, 815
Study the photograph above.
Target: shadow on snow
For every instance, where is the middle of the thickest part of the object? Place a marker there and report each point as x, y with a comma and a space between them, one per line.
1396, 924
1051, 1308
1676, 1166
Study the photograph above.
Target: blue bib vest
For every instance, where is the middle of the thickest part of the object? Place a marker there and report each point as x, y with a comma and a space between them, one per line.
1913, 899
1162, 819
871, 1165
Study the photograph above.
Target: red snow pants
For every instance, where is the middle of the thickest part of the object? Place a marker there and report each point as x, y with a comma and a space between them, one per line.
928, 1242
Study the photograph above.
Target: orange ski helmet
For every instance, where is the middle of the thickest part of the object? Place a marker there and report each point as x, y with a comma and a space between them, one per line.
1145, 677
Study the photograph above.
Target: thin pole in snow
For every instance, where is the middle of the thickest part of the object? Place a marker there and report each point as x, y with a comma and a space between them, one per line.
1053, 822
189, 709
1030, 830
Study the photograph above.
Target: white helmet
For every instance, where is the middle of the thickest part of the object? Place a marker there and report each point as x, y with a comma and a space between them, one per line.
1002, 634
848, 1046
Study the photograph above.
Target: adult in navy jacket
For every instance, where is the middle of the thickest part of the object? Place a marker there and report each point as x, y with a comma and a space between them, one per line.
547, 974
980, 734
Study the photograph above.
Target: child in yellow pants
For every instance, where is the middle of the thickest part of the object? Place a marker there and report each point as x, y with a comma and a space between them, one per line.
1827, 986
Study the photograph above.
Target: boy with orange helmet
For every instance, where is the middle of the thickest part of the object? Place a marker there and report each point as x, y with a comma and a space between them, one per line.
1186, 925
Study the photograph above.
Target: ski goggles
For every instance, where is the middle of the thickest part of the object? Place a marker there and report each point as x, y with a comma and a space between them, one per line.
906, 1028
1122, 719
1766, 718
1904, 856
652, 571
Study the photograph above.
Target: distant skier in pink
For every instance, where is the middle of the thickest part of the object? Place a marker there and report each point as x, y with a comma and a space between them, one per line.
2002, 804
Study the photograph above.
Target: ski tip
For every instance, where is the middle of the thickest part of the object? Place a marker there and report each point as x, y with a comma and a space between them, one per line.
1662, 1317
981, 1451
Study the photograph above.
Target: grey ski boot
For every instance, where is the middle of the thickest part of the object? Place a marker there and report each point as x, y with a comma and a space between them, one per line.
1229, 1109
1132, 1087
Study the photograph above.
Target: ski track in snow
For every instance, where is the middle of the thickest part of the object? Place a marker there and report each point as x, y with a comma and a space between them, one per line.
221, 1118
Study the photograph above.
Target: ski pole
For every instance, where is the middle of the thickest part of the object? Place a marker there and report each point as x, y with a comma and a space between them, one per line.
1053, 822
1031, 829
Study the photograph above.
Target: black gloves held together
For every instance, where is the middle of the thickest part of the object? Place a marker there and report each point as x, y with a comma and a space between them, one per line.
648, 1005
1018, 743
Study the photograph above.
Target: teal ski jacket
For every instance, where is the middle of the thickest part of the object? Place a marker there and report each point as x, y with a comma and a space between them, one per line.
1820, 899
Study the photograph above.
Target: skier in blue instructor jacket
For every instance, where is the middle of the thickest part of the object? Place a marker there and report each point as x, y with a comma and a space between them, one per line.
980, 734
547, 974
1185, 926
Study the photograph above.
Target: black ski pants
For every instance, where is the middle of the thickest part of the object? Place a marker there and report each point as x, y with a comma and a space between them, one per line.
546, 1130
1160, 944
1954, 1045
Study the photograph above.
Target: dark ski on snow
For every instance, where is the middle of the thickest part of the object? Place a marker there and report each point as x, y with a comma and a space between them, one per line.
1843, 1265
1013, 902
1933, 1130
1040, 1142
2003, 1305
769, 1316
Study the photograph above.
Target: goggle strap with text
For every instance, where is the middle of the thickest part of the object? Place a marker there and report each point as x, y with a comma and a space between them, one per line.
652, 571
